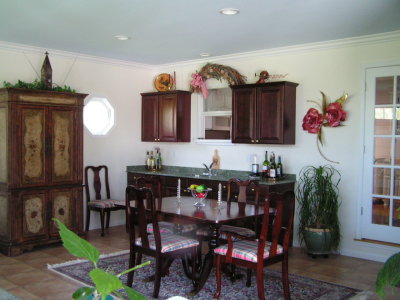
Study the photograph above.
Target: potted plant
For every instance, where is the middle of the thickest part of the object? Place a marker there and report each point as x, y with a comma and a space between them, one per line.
105, 282
389, 274
318, 196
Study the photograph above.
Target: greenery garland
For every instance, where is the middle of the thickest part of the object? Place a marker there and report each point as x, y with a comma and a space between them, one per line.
37, 85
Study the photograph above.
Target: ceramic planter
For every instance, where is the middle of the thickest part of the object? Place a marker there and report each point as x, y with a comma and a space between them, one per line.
318, 241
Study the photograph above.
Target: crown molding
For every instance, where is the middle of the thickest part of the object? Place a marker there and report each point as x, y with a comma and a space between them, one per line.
73, 55
296, 49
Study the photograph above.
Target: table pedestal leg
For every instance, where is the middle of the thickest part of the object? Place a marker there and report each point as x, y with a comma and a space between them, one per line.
208, 260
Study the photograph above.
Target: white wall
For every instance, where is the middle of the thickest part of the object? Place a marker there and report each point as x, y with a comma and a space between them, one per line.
332, 68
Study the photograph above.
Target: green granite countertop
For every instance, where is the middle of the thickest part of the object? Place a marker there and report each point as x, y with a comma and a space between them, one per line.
218, 175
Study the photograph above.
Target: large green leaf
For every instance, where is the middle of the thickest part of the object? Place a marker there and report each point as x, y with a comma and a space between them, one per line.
76, 245
133, 295
83, 293
389, 275
105, 282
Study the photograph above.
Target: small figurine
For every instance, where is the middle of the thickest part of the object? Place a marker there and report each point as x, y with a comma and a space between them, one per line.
264, 75
47, 73
216, 161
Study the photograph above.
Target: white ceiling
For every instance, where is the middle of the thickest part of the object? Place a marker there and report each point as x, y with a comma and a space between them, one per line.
179, 30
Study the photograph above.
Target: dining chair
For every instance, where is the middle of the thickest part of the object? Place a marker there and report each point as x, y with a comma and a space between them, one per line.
256, 253
242, 187
164, 247
102, 202
154, 183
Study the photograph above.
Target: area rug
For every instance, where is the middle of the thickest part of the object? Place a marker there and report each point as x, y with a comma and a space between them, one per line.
177, 284
4, 295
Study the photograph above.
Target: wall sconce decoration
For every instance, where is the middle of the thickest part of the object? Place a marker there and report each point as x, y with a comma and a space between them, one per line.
332, 116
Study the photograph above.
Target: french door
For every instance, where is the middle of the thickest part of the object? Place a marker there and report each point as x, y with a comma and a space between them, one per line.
381, 176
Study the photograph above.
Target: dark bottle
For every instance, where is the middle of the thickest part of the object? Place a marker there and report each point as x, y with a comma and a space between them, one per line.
279, 169
272, 170
266, 165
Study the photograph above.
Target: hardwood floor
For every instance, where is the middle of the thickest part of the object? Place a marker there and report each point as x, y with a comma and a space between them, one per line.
27, 276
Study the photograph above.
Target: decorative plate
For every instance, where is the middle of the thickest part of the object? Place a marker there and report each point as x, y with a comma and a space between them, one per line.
163, 82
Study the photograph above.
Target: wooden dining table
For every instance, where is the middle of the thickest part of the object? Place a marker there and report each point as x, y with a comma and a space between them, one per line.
182, 211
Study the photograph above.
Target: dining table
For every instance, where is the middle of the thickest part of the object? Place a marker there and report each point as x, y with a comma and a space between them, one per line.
214, 214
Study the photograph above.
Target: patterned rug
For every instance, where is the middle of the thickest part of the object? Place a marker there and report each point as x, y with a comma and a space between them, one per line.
301, 288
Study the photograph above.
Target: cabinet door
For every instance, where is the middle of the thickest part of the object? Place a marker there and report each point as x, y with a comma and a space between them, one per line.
167, 108
63, 204
34, 145
64, 152
244, 115
149, 118
34, 215
270, 114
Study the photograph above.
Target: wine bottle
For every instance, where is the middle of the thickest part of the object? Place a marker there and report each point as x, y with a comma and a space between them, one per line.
159, 159
147, 161
265, 167
279, 169
272, 170
152, 161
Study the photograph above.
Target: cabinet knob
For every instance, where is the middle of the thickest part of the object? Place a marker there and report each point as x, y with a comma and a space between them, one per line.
252, 190
256, 141
252, 141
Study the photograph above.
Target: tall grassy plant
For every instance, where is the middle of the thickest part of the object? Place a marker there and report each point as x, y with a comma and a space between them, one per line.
318, 197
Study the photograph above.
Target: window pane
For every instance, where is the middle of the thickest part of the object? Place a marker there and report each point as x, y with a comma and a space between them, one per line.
383, 120
218, 100
382, 181
398, 90
384, 90
382, 152
217, 127
396, 213
380, 211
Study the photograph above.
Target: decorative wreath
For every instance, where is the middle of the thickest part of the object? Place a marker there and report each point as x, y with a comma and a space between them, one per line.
216, 71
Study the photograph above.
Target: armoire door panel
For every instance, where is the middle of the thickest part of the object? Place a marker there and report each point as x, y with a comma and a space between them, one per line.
62, 203
62, 145
167, 118
33, 163
34, 219
270, 113
149, 118
243, 112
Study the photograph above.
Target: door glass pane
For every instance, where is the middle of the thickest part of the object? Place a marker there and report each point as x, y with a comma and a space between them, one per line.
382, 181
397, 121
398, 90
384, 90
396, 183
383, 120
382, 151
380, 211
397, 151
396, 213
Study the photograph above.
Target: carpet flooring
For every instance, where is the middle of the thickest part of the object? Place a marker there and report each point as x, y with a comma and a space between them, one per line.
301, 288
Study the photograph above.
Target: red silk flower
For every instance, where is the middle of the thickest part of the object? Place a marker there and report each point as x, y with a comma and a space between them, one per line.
335, 114
312, 121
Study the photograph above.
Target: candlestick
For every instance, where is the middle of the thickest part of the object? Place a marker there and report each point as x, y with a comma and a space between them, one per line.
178, 191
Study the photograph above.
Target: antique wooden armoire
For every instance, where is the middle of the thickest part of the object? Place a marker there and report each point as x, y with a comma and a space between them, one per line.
41, 161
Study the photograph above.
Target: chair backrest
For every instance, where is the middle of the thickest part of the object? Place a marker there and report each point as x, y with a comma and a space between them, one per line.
97, 185
242, 186
138, 215
283, 202
152, 183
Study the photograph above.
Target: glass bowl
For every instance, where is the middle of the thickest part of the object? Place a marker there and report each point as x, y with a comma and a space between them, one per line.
200, 197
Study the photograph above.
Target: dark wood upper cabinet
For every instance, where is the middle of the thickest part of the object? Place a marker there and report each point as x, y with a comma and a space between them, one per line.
264, 113
166, 116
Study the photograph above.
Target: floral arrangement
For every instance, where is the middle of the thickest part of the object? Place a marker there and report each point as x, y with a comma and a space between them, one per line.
216, 71
332, 115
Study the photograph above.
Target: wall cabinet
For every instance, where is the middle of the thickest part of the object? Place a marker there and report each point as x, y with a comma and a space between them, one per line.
166, 116
41, 142
264, 113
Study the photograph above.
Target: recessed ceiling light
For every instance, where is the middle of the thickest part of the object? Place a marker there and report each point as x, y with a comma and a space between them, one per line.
122, 37
204, 54
229, 11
